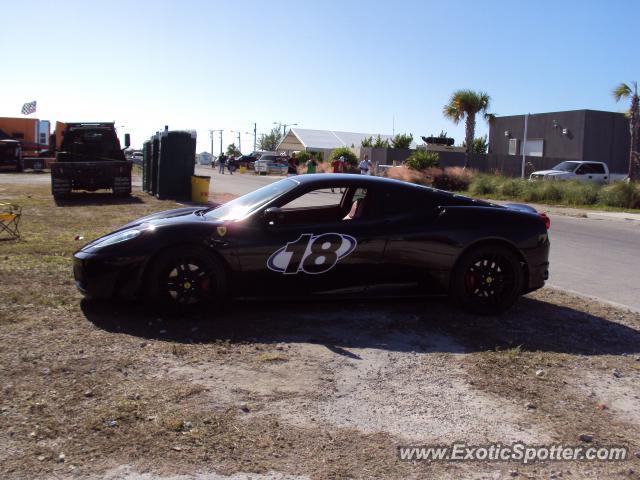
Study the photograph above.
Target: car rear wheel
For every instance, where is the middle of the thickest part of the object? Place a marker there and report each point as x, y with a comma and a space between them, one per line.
186, 279
487, 280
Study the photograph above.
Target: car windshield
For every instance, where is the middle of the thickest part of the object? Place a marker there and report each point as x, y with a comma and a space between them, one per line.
247, 204
566, 166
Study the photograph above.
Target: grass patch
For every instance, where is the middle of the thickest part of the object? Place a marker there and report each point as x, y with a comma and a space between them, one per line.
617, 196
37, 269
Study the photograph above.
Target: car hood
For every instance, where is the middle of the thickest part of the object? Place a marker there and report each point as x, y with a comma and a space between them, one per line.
550, 172
176, 215
168, 217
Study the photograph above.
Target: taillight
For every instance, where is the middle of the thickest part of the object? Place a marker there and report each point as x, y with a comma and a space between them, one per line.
547, 220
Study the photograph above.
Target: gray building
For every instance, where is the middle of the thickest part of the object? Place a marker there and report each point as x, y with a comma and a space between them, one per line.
590, 135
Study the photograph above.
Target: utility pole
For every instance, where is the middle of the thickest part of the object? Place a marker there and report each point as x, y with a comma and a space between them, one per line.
524, 143
255, 136
284, 126
211, 132
240, 133
239, 143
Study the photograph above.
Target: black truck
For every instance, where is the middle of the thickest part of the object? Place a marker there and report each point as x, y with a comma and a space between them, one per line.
89, 157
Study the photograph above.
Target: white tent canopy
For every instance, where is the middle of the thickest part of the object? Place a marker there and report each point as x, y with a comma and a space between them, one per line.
307, 139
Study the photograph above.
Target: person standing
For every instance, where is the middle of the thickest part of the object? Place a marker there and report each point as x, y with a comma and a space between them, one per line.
293, 165
222, 160
338, 167
231, 164
365, 166
311, 165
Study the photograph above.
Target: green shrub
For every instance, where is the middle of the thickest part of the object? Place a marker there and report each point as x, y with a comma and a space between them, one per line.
379, 142
485, 184
551, 191
303, 157
421, 160
512, 187
349, 157
542, 192
402, 140
580, 193
620, 194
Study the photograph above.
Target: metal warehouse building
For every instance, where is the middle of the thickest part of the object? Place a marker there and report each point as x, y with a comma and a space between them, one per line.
551, 138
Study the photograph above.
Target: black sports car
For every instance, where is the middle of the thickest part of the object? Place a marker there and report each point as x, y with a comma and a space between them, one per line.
325, 235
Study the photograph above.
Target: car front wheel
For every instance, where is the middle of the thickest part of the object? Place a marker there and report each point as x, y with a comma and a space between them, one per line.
487, 280
185, 279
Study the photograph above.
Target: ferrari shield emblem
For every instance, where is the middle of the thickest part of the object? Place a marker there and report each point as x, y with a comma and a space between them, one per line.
222, 231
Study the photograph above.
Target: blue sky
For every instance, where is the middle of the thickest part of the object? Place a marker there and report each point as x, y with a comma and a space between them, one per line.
322, 64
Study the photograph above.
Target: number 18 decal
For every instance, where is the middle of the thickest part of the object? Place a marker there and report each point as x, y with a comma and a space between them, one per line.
312, 254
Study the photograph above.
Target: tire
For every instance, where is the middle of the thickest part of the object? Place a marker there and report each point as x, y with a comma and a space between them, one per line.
487, 280
186, 279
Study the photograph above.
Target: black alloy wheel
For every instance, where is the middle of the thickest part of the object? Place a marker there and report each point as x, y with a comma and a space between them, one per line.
186, 278
487, 280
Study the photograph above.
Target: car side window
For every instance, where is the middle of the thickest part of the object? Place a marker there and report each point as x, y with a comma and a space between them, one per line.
582, 170
597, 168
328, 205
322, 197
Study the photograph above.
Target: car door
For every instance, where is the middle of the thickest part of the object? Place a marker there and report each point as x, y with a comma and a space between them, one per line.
312, 249
598, 173
415, 248
585, 173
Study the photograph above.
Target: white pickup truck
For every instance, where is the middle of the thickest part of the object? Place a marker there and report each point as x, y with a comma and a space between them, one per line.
597, 172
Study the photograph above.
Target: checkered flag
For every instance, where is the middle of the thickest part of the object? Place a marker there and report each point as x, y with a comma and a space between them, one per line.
28, 108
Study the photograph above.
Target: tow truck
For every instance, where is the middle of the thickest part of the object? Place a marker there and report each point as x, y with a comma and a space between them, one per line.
88, 157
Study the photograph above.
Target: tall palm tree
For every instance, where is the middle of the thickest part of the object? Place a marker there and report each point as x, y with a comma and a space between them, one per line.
624, 91
465, 104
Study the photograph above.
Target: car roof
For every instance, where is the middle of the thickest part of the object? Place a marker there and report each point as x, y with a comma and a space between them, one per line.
323, 178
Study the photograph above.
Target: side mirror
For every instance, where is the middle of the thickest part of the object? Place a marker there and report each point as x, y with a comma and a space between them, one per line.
127, 140
273, 214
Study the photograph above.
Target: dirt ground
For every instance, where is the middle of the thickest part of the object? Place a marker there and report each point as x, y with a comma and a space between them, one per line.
300, 390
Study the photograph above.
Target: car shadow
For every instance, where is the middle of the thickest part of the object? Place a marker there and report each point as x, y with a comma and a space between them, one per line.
83, 199
427, 325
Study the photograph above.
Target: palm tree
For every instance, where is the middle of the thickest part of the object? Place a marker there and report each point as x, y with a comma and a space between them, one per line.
625, 91
465, 104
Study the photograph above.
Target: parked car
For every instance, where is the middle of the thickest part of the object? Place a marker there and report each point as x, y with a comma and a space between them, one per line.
271, 164
247, 161
597, 172
296, 238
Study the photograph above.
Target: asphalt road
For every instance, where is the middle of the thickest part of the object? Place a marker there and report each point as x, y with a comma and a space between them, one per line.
598, 258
